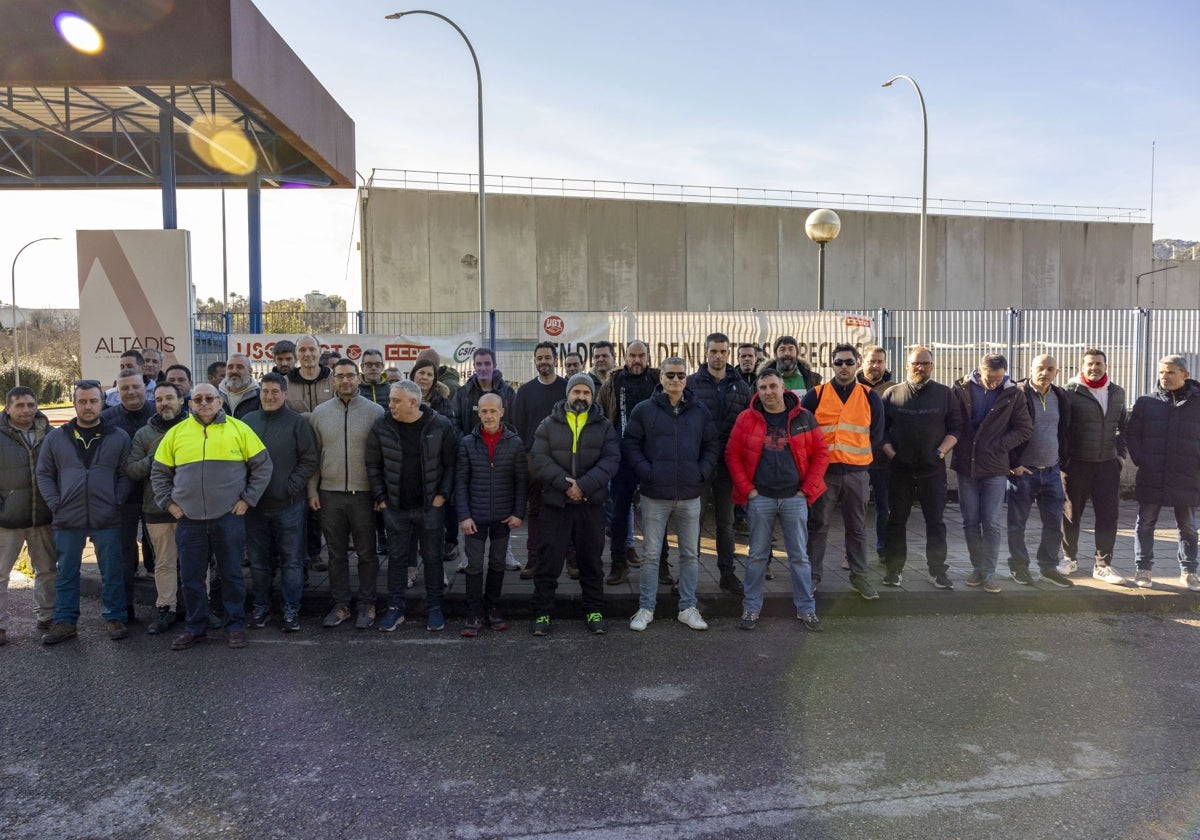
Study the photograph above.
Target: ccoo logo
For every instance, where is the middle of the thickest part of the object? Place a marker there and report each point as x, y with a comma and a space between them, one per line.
553, 326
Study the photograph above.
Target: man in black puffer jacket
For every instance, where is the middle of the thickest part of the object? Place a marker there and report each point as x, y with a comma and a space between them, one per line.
490, 497
1164, 441
576, 453
671, 443
726, 395
411, 454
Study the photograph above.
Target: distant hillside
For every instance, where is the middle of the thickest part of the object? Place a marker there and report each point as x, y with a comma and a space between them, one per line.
1176, 249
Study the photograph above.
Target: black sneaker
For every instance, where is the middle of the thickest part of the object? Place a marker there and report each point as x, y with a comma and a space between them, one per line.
892, 578
495, 620
749, 621
595, 623
291, 619
472, 627
258, 617
541, 625
863, 587
1021, 576
163, 620
810, 622
941, 581
1054, 576
730, 583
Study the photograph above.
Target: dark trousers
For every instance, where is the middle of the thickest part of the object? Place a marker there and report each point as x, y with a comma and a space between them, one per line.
879, 489
930, 490
410, 531
131, 516
623, 487
312, 533
720, 492
344, 515
583, 524
533, 521
224, 537
484, 595
1099, 481
848, 491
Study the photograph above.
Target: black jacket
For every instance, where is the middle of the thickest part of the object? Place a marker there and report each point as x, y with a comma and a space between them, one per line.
385, 458
724, 399
984, 452
592, 461
916, 421
21, 506
489, 489
292, 445
1064, 423
140, 463
1164, 441
1096, 435
466, 401
672, 449
380, 393
79, 496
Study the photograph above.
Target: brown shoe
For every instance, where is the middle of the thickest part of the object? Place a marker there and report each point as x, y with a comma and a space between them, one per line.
631, 558
530, 568
619, 575
117, 630
573, 572
237, 638
186, 639
60, 631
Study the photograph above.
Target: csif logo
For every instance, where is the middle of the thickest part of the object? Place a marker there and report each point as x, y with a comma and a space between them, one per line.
463, 352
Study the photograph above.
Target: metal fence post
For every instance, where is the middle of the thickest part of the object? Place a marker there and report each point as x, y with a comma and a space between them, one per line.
1141, 351
881, 337
492, 328
359, 316
1014, 324
228, 319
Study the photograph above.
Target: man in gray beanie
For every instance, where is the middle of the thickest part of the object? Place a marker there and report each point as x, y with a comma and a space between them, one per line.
575, 454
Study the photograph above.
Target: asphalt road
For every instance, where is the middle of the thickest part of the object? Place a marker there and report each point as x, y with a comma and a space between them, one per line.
1076, 726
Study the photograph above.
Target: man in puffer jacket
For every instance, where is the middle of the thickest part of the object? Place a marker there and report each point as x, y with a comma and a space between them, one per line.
576, 453
490, 498
1164, 441
24, 517
671, 443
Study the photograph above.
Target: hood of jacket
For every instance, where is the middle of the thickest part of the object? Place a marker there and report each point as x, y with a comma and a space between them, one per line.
294, 375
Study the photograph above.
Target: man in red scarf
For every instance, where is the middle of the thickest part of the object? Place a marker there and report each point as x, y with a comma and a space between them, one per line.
1097, 447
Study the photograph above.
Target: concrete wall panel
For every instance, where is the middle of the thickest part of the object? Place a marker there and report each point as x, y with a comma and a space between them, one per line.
661, 255
612, 260
964, 261
562, 258
755, 257
1040, 270
845, 267
453, 255
936, 273
512, 253
1002, 262
797, 261
397, 251
1074, 287
1107, 261
709, 257
886, 260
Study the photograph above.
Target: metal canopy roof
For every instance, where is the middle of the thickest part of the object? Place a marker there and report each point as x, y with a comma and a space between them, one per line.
71, 120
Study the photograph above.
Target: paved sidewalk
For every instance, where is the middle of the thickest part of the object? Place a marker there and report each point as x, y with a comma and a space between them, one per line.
835, 597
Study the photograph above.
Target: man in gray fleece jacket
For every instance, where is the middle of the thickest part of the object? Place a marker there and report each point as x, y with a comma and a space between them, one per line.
341, 491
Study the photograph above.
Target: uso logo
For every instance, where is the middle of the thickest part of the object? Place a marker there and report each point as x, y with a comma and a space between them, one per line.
553, 326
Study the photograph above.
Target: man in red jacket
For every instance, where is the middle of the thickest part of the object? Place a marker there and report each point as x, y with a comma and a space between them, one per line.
777, 458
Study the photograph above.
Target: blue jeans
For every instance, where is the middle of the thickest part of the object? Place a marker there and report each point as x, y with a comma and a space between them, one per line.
225, 537
429, 529
1147, 519
792, 514
277, 533
981, 501
656, 514
1046, 487
68, 543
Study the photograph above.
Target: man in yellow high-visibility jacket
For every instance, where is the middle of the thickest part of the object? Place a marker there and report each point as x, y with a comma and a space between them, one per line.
851, 417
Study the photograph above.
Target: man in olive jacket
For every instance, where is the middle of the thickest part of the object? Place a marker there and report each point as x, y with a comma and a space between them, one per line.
576, 453
24, 517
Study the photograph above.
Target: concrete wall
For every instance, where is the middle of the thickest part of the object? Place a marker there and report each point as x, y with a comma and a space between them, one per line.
550, 252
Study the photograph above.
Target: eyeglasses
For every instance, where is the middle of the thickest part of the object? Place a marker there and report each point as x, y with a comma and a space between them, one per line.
843, 362
920, 364
204, 399
345, 376
674, 374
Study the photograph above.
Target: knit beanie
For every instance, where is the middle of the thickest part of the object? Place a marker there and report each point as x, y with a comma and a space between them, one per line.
582, 379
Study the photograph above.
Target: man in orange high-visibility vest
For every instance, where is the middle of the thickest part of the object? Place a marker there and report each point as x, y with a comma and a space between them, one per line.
851, 417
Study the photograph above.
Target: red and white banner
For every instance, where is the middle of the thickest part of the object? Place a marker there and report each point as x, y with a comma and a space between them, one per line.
683, 333
399, 351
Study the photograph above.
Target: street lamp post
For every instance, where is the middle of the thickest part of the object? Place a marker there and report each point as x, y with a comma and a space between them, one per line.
822, 227
483, 302
924, 203
16, 345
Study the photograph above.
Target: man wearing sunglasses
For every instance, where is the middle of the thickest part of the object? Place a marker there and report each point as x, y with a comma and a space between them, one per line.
851, 418
208, 471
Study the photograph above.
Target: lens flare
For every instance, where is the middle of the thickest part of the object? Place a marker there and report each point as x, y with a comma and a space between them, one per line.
222, 145
77, 32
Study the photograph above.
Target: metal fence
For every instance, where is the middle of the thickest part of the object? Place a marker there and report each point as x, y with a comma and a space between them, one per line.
1133, 339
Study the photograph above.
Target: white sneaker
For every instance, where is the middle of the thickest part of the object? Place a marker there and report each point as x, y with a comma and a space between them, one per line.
1068, 566
461, 568
640, 620
1191, 580
1108, 574
691, 617
510, 562
1142, 579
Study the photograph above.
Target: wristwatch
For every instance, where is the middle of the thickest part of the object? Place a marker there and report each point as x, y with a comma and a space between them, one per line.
941, 455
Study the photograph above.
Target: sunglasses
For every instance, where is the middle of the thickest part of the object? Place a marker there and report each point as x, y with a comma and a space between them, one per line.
674, 374
843, 362
204, 399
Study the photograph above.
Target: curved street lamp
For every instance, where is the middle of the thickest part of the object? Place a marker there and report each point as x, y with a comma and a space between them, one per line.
822, 227
483, 304
16, 346
924, 202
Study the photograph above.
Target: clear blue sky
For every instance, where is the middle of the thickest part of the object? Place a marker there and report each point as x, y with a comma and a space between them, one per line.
1044, 102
